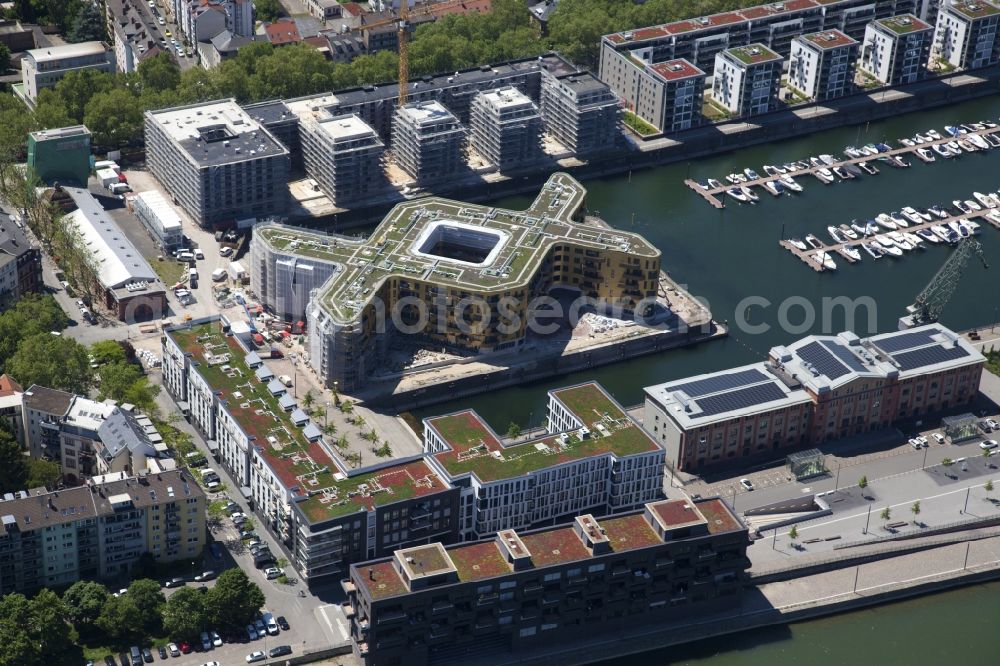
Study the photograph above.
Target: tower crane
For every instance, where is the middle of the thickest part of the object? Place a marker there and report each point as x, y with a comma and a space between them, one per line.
935, 296
402, 23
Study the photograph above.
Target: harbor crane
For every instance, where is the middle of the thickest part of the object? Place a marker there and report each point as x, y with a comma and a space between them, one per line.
935, 296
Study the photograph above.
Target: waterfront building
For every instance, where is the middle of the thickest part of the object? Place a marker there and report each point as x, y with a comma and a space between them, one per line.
99, 531
667, 95
747, 80
594, 458
343, 155
506, 129
60, 154
822, 65
452, 262
816, 390
428, 142
547, 588
44, 68
161, 219
895, 50
966, 34
217, 162
325, 515
698, 40
580, 112
20, 265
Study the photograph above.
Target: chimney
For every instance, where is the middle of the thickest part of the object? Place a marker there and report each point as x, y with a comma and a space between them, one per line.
371, 573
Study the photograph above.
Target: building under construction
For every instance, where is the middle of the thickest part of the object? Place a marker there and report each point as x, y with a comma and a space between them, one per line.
428, 142
506, 128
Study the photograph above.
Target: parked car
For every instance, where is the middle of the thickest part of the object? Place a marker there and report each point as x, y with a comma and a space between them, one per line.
988, 444
251, 632
225, 251
206, 641
260, 627
232, 507
993, 424
238, 517
985, 426
204, 576
216, 550
175, 582
174, 650
747, 484
256, 656
274, 572
186, 647
272, 626
246, 535
147, 655
938, 437
279, 651
163, 652
914, 442
109, 660
283, 623
216, 639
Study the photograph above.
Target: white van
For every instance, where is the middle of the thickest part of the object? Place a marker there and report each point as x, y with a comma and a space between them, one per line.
286, 380
219, 275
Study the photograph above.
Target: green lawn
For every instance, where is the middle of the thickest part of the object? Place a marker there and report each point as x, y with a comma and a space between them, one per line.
993, 362
169, 270
637, 124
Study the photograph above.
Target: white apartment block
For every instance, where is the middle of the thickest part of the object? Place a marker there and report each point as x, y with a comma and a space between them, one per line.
895, 50
236, 15
747, 79
966, 34
821, 65
343, 154
43, 68
506, 128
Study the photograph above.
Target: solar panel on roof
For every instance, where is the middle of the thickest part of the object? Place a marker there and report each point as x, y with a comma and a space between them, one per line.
821, 359
920, 358
845, 355
739, 399
901, 341
722, 382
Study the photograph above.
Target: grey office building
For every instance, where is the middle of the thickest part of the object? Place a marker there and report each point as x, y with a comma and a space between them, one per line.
344, 155
580, 112
428, 142
506, 128
217, 162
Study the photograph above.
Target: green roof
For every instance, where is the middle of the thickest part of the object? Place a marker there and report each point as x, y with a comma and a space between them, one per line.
973, 9
903, 24
753, 54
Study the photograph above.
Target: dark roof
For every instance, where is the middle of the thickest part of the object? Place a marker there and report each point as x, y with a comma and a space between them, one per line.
12, 239
50, 401
121, 431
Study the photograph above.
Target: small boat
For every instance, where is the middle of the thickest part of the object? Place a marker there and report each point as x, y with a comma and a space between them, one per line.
962, 232
797, 244
943, 233
961, 206
714, 184
912, 215
847, 231
790, 183
749, 194
871, 229
986, 200
874, 250
733, 179
827, 159
972, 205
869, 149
909, 143
914, 240
835, 234
988, 124
825, 260
842, 173
851, 252
851, 169
993, 140
954, 147
888, 247
750, 174
953, 131
978, 141
852, 152
859, 229
967, 146
974, 226
815, 161
994, 215
824, 175
870, 169
737, 193
939, 212
942, 150
972, 127
778, 186
771, 186
814, 242
883, 147
966, 229
773, 170
923, 138
925, 154
934, 134
791, 167
928, 236
885, 221
900, 221
900, 241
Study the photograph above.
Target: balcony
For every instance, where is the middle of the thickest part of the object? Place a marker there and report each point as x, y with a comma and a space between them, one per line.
348, 610
348, 586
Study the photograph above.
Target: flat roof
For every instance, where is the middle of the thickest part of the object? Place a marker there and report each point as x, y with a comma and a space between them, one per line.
216, 133
506, 98
676, 69
903, 24
319, 486
60, 133
477, 449
388, 252
430, 111
347, 128
971, 9
753, 54
675, 514
560, 544
828, 39
924, 349
66, 51
166, 214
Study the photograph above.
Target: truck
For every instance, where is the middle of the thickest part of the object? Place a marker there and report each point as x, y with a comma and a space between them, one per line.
236, 272
107, 177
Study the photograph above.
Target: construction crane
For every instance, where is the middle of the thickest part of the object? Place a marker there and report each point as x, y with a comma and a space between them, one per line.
935, 296
402, 23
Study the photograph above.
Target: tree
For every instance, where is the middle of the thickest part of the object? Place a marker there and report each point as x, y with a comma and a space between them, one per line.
886, 514
84, 602
233, 601
947, 462
52, 360
384, 451
13, 468
988, 486
184, 615
107, 351
17, 645
308, 400
267, 10
115, 118
793, 533
118, 619
126, 382
42, 473
341, 442
149, 601
32, 314
88, 26
47, 620
513, 430
4, 57
76, 89
915, 510
159, 73
862, 484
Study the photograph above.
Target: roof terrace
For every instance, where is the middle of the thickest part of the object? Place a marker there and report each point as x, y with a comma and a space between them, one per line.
973, 9
829, 39
903, 24
321, 489
753, 54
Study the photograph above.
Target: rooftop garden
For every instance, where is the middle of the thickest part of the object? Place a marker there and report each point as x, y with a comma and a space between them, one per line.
718, 515
904, 24
428, 559
974, 9
753, 54
478, 561
555, 547
629, 532
638, 125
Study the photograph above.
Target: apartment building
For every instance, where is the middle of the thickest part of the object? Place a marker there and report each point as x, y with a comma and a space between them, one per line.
506, 129
325, 515
217, 162
966, 33
201, 20
594, 459
822, 65
896, 50
130, 38
20, 264
60, 154
283, 279
99, 530
79, 437
43, 409
816, 390
580, 112
549, 588
43, 68
747, 80
343, 155
428, 142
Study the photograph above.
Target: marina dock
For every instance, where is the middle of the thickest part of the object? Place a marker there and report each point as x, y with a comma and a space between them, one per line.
715, 196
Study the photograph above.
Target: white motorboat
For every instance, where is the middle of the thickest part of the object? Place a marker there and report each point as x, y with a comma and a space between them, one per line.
885, 221
942, 232
870, 169
914, 240
842, 173
869, 149
714, 184
835, 234
827, 159
900, 221
852, 152
900, 241
923, 138
960, 205
987, 200
925, 154
963, 232
847, 231
770, 186
771, 170
965, 229
954, 147
750, 174
942, 150
825, 260
934, 134
797, 244
928, 236
851, 252
939, 212
912, 215
737, 193
978, 142
907, 142
859, 229
749, 193
733, 179
974, 226
824, 175
872, 228
873, 249
888, 247
790, 183
994, 215
967, 146
814, 242
972, 205
815, 161
791, 167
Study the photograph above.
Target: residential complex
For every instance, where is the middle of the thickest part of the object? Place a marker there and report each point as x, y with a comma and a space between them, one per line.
580, 112
201, 20
819, 389
506, 128
131, 41
593, 459
747, 79
896, 50
60, 155
98, 530
43, 68
521, 590
217, 162
325, 515
428, 142
434, 253
668, 95
343, 155
20, 264
966, 33
822, 64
